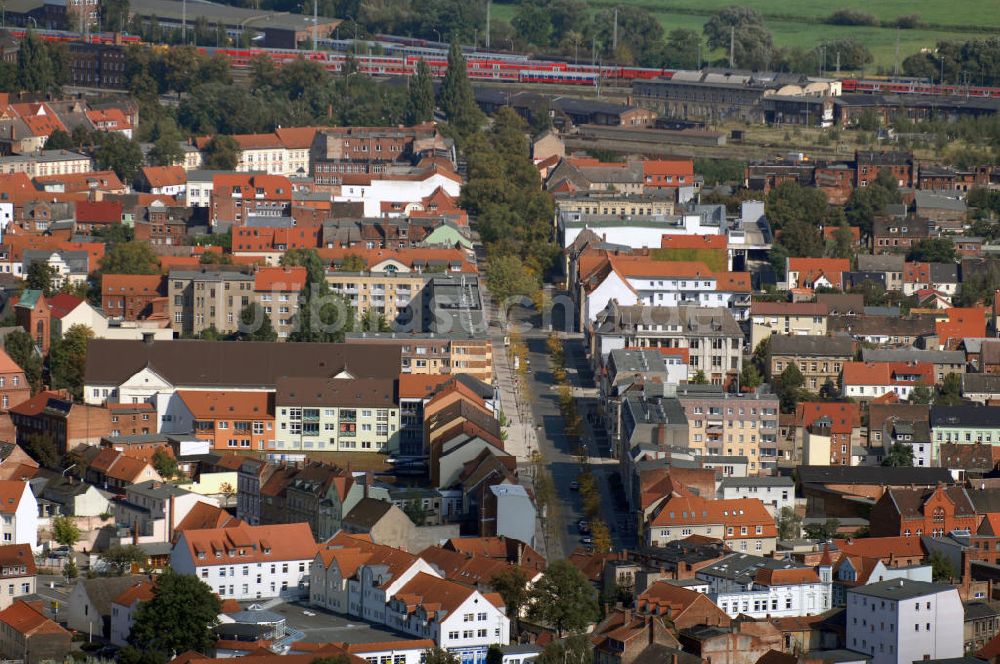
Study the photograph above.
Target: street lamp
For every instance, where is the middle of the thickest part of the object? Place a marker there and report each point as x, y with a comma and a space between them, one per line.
438, 33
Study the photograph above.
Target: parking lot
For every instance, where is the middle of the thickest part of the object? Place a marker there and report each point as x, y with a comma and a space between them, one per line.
324, 627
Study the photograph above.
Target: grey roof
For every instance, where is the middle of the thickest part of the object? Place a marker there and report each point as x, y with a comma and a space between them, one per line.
936, 201
233, 274
723, 458
892, 476
256, 616
912, 354
170, 10
976, 610
881, 263
964, 416
812, 345
762, 481
742, 567
837, 656
677, 321
946, 273
78, 261
899, 589
981, 383
102, 590
367, 513
157, 490
631, 361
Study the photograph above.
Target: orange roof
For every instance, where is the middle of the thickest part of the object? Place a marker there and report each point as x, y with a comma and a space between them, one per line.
140, 592
205, 515
280, 279
811, 269
84, 182
164, 176
682, 510
416, 386
694, 242
962, 323
786, 577
844, 417
888, 373
245, 544
213, 405
662, 598
168, 263
830, 232
415, 257
916, 273
132, 284
350, 552
881, 547
296, 138
9, 366
272, 187
435, 594
41, 120
668, 167
16, 187
109, 119
10, 495
27, 619
13, 556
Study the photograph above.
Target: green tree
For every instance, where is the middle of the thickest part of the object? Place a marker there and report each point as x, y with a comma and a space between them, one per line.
788, 386
950, 392
42, 276
352, 263
167, 150
507, 277
789, 524
70, 570
114, 15
41, 446
640, 35
750, 376
933, 250
699, 378
790, 202
35, 71
683, 50
512, 584
180, 616
439, 656
752, 42
222, 153
165, 464
899, 454
130, 258
563, 599
118, 153
255, 324
121, 558
323, 316
59, 140
68, 359
65, 531
420, 95
942, 569
921, 394
457, 101
842, 245
494, 654
823, 531
576, 649
21, 348
531, 21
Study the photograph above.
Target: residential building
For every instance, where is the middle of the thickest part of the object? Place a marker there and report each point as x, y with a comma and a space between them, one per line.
248, 562
964, 424
723, 423
904, 621
88, 610
237, 199
945, 361
435, 353
683, 606
229, 420
277, 290
198, 300
29, 636
816, 273
839, 421
751, 585
889, 265
336, 414
14, 387
456, 617
137, 371
390, 295
795, 318
17, 573
18, 513
113, 470
775, 492
891, 235
710, 336
818, 358
870, 380
123, 610
744, 524
150, 511
130, 296
869, 163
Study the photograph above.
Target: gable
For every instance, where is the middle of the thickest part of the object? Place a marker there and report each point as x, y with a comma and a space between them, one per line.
147, 379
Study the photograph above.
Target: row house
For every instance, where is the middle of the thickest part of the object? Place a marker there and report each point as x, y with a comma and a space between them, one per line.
228, 420
14, 386
248, 562
894, 235
68, 424
840, 422
940, 277
337, 414
284, 152
889, 265
397, 184
434, 353
787, 318
706, 338
728, 424
869, 163
277, 291
813, 273
267, 243
17, 573
131, 296
339, 151
870, 380
639, 280
160, 224
759, 587
167, 180
964, 424
945, 361
819, 359
203, 299
744, 524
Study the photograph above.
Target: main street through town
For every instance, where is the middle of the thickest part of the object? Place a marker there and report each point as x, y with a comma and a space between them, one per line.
537, 424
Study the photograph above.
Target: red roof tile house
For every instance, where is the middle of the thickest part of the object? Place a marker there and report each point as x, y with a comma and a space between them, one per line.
97, 215
816, 272
68, 424
123, 608
960, 324
169, 180
841, 421
28, 636
112, 470
14, 388
870, 380
280, 556
454, 615
667, 173
229, 420
916, 512
744, 524
131, 296
683, 607
237, 197
17, 573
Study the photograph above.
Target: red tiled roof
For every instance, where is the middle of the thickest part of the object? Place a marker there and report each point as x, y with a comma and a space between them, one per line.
164, 176
786, 577
28, 619
736, 513
133, 284
414, 386
213, 404
14, 556
105, 181
205, 515
844, 417
881, 547
11, 492
289, 541
99, 212
140, 592
280, 279
694, 242
62, 304
888, 373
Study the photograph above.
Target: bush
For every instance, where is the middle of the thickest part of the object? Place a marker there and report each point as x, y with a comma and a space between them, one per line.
851, 17
907, 22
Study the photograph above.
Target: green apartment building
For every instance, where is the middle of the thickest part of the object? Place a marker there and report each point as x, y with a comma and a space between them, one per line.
336, 414
965, 425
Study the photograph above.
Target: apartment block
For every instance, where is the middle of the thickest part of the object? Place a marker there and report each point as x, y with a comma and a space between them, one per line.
198, 300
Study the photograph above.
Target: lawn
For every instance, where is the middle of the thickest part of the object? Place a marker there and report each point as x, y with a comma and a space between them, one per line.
796, 23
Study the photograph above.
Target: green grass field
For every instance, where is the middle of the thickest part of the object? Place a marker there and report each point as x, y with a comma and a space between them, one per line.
797, 23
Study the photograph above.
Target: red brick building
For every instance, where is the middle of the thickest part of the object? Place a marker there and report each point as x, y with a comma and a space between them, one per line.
868, 164
54, 415
130, 296
14, 388
32, 313
915, 512
237, 196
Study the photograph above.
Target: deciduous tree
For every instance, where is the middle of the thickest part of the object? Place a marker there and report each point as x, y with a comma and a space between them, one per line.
563, 599
457, 101
178, 618
222, 153
512, 584
68, 359
899, 454
65, 531
21, 348
130, 258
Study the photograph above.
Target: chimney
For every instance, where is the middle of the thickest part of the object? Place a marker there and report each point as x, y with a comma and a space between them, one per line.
135, 532
147, 338
170, 519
